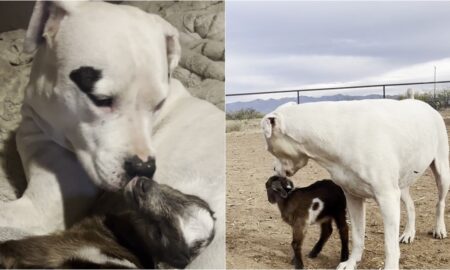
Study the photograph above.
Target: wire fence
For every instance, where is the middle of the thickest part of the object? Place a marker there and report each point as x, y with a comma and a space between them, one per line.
382, 87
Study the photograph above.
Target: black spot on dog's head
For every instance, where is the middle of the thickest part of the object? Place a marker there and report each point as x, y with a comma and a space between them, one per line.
85, 78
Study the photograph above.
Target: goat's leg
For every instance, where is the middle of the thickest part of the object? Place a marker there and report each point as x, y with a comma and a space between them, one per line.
342, 226
325, 231
297, 241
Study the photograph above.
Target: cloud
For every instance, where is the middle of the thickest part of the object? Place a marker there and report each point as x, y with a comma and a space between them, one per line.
413, 73
276, 45
263, 73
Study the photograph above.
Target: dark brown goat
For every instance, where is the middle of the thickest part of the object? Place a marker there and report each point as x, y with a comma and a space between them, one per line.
319, 203
159, 226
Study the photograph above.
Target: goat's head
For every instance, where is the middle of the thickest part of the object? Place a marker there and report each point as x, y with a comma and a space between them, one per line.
277, 188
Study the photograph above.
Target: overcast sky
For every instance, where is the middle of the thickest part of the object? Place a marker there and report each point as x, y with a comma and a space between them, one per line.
280, 45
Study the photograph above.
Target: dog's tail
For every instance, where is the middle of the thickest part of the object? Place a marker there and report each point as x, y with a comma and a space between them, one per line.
410, 93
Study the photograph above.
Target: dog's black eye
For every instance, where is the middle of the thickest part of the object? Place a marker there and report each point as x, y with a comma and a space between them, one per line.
160, 104
101, 101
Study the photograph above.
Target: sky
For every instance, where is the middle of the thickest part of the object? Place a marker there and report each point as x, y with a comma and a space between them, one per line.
288, 45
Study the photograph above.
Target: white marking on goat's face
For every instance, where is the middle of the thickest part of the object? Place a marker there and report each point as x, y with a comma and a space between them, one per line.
94, 255
197, 225
314, 210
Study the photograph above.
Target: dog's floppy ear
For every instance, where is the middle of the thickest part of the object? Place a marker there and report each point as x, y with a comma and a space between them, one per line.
267, 125
272, 122
44, 22
172, 42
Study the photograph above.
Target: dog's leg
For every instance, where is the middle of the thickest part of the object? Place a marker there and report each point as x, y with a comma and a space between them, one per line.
410, 231
342, 226
441, 171
357, 211
389, 203
20, 215
58, 190
325, 231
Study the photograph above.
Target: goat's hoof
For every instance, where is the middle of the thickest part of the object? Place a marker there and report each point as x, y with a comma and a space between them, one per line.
313, 254
407, 237
297, 264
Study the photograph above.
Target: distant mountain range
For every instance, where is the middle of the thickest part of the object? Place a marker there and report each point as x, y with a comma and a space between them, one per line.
268, 105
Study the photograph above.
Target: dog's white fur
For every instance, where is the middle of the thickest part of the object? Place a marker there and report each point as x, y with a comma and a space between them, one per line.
372, 149
70, 148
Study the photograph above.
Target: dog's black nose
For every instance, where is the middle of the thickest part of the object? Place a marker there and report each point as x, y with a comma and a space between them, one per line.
135, 166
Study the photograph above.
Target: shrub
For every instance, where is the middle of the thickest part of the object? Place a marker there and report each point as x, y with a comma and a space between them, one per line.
241, 114
441, 101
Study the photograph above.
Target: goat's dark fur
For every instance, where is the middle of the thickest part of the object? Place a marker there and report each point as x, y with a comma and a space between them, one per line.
146, 235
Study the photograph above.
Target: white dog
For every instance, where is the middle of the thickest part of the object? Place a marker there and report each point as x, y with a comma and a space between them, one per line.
372, 149
101, 108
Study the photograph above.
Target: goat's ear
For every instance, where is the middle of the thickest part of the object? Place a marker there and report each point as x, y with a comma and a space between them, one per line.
173, 48
271, 196
280, 190
283, 194
45, 21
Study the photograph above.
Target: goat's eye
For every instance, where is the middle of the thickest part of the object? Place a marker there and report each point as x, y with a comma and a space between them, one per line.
101, 100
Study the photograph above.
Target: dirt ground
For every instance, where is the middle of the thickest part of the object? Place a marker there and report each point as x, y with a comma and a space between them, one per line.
257, 237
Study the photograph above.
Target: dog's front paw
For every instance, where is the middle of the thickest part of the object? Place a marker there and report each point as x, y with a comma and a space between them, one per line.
348, 265
407, 237
439, 232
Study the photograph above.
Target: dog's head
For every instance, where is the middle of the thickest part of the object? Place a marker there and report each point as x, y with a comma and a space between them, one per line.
278, 187
176, 226
289, 153
103, 70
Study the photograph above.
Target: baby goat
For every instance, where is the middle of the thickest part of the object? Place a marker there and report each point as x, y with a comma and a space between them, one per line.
320, 203
161, 227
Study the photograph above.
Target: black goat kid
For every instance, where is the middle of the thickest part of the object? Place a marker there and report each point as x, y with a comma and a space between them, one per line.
319, 203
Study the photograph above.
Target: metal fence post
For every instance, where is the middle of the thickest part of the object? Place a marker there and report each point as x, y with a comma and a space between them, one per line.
384, 91
298, 97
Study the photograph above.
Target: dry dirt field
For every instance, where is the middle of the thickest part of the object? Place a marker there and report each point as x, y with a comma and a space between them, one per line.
257, 237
